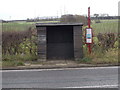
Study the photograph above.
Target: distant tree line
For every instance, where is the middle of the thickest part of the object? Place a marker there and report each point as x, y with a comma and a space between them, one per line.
104, 17
67, 18
43, 19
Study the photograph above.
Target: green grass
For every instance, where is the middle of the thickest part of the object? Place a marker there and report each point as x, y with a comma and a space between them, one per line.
21, 26
12, 26
97, 57
86, 60
26, 57
107, 20
105, 27
110, 57
12, 63
17, 60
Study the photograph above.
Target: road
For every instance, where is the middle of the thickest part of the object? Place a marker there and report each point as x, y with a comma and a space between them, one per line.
99, 77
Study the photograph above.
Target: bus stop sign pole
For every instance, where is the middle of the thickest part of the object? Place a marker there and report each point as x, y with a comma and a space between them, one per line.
89, 21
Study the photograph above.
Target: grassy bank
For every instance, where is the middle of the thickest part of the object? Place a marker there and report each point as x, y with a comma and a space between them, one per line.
105, 27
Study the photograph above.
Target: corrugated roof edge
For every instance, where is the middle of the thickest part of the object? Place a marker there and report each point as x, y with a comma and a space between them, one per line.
58, 24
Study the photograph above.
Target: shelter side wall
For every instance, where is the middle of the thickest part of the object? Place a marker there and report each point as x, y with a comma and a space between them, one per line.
42, 43
78, 42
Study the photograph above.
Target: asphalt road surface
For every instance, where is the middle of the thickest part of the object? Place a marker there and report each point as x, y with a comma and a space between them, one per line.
99, 77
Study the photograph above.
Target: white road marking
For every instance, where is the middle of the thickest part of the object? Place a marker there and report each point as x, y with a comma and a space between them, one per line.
113, 67
101, 86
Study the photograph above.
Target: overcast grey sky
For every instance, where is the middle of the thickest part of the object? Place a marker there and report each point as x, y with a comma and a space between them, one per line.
22, 9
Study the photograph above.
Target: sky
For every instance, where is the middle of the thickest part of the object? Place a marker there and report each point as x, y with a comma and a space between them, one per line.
23, 9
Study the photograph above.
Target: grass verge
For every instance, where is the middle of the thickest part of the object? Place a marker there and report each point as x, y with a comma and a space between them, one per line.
17, 60
108, 57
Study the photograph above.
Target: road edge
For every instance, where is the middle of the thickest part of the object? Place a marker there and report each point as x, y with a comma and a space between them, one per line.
56, 66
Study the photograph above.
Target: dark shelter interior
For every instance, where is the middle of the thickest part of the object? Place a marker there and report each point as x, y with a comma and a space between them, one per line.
60, 42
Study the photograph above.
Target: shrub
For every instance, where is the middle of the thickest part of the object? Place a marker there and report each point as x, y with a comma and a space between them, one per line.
11, 41
106, 40
19, 47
